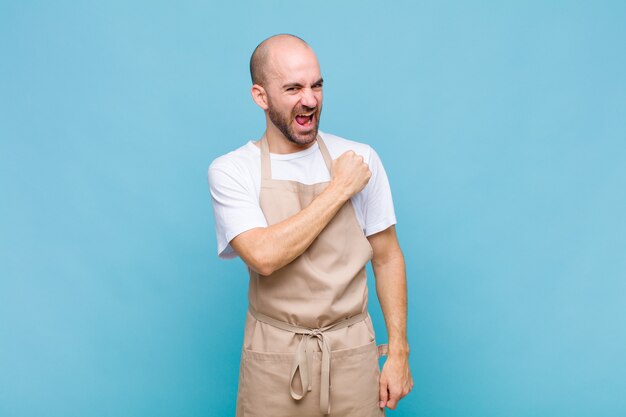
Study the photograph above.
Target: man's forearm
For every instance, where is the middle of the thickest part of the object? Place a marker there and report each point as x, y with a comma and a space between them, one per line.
277, 245
391, 290
266, 249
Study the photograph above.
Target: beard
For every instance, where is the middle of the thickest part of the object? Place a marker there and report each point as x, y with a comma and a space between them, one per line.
285, 124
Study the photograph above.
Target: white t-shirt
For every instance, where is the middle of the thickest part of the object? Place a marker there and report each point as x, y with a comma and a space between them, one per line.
235, 183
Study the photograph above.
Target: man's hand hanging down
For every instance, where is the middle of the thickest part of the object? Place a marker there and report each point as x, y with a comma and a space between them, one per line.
395, 381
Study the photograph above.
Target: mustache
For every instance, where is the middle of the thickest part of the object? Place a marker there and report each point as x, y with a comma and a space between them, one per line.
305, 109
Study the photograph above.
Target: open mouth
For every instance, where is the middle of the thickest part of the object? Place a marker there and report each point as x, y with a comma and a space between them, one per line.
304, 119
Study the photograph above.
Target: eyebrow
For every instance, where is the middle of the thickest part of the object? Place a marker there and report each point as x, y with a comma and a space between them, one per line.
289, 85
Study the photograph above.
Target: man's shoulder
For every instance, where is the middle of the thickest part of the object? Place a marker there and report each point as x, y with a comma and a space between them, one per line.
338, 145
240, 159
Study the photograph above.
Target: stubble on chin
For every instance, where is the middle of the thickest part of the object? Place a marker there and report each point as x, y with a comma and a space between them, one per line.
303, 140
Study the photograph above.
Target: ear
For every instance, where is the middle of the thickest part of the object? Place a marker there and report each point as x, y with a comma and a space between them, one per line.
259, 95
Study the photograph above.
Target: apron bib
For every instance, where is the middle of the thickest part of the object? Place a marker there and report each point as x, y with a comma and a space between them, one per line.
309, 345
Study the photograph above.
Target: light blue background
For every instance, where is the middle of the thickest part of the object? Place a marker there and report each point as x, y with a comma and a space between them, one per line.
502, 126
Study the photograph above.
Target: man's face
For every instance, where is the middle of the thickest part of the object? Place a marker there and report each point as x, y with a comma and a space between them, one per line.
294, 94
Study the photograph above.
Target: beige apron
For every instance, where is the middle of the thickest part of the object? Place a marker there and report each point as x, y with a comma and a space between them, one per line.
309, 346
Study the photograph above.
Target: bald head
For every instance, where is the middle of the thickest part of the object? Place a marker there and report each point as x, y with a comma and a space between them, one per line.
261, 57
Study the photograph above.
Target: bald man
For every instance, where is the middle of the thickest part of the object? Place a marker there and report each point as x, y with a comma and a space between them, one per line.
306, 211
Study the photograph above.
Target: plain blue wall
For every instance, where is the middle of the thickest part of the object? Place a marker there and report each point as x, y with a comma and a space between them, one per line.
502, 126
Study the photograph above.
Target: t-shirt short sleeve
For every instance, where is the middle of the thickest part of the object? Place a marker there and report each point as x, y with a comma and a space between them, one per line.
377, 204
235, 207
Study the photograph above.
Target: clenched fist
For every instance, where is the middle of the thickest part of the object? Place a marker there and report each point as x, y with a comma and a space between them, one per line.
350, 174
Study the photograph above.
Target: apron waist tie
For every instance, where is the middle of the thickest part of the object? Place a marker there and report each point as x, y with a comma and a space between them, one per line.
304, 355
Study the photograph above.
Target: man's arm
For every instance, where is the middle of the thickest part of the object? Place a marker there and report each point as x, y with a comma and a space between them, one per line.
390, 272
266, 249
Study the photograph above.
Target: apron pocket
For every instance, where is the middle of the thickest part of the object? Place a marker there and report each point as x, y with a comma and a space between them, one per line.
264, 387
354, 375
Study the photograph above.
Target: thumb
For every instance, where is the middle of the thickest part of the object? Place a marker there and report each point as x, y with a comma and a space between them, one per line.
383, 393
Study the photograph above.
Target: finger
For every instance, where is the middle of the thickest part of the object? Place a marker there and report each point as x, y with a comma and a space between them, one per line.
383, 394
394, 397
407, 388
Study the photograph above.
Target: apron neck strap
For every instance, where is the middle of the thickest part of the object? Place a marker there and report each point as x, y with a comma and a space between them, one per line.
325, 154
266, 164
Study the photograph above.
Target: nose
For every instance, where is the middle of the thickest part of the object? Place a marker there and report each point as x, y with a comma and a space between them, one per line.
308, 98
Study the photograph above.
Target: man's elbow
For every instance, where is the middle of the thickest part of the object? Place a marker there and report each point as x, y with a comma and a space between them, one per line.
260, 261
257, 251
392, 256
263, 267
